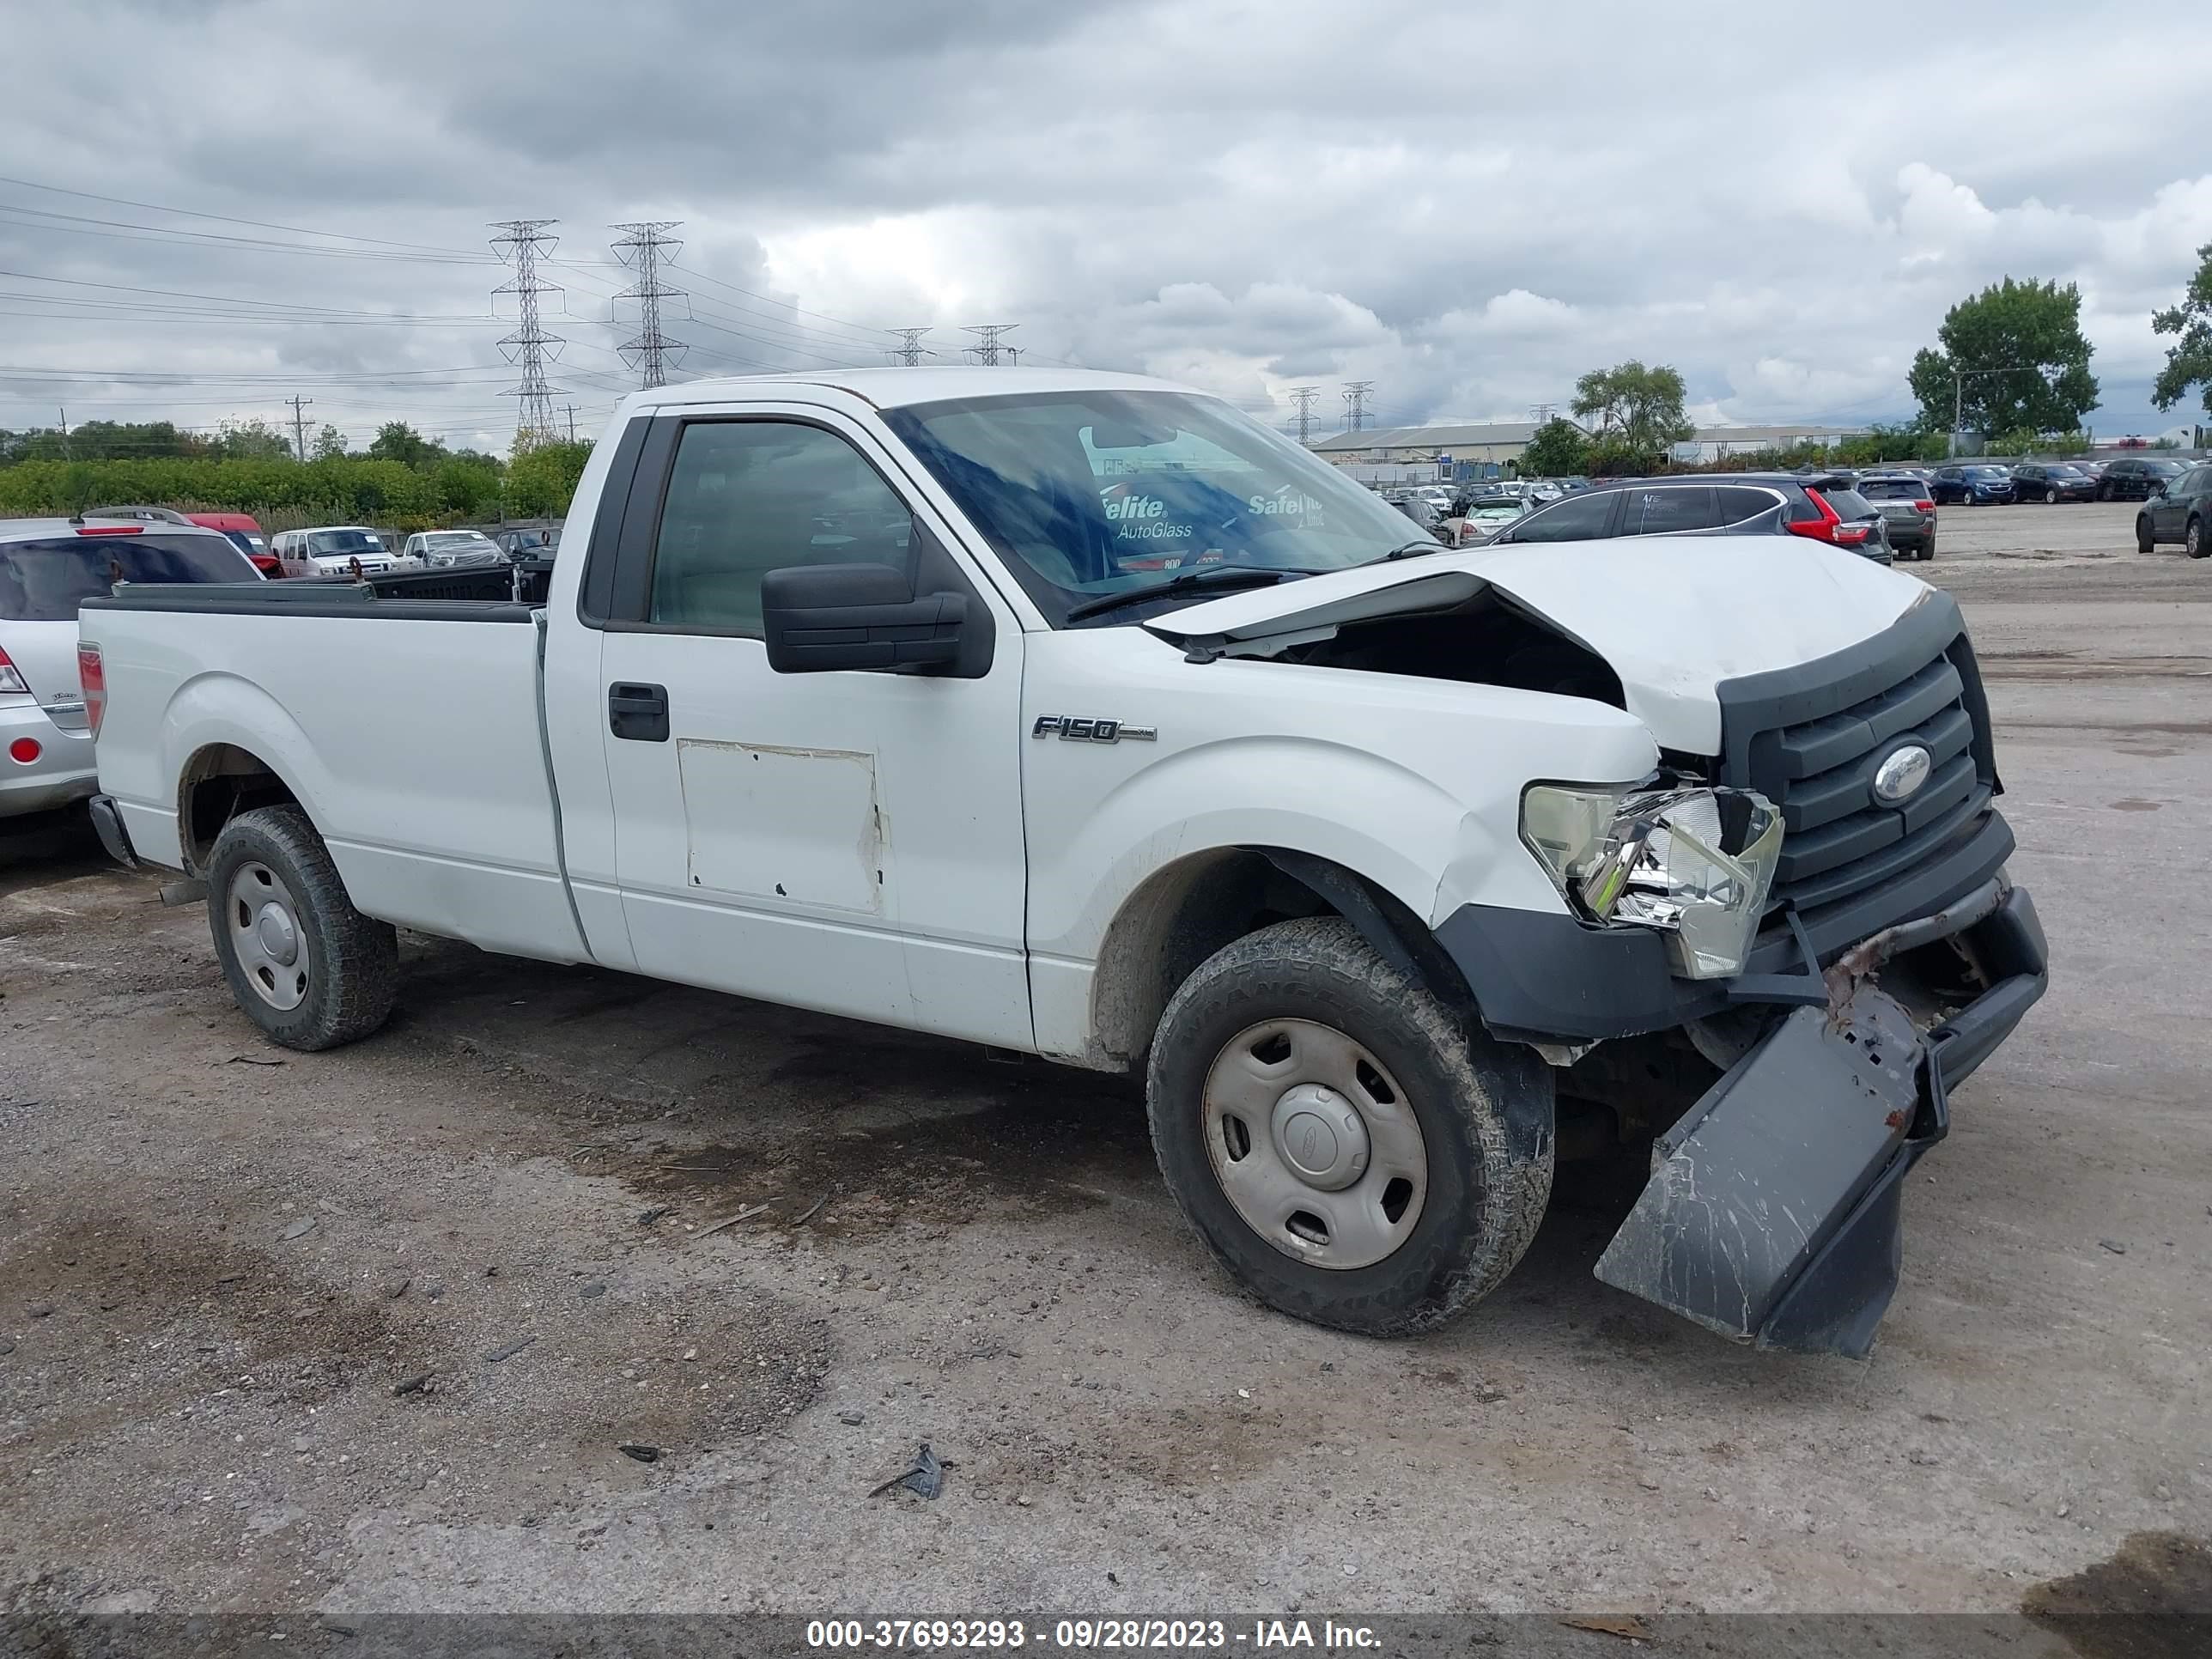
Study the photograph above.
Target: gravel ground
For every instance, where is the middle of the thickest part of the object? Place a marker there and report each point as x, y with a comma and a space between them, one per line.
259, 1313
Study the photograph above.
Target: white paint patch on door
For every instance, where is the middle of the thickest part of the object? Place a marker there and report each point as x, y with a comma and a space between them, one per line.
799, 826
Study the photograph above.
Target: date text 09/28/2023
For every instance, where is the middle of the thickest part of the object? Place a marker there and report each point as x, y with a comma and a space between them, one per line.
1180, 1635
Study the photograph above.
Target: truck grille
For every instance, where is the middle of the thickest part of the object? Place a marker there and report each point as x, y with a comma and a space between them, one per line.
1810, 742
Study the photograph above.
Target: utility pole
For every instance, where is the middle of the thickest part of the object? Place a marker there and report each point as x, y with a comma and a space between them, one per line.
990, 343
65, 448
645, 246
1303, 398
572, 423
299, 427
522, 243
910, 351
1355, 394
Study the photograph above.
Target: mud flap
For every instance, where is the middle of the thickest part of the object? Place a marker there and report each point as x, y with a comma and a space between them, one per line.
1773, 1214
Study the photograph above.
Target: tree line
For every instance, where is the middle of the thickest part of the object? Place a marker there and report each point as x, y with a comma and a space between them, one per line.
402, 481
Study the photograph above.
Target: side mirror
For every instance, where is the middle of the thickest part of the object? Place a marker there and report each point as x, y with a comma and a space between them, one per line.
822, 617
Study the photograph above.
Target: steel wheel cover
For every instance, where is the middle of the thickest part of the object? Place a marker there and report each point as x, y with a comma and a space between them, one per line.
1314, 1143
271, 946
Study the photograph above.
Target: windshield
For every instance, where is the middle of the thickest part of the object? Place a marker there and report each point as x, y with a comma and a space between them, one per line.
326, 543
1086, 494
45, 581
2164, 469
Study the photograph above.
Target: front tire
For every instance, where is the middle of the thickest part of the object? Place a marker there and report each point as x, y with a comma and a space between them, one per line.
1344, 1147
307, 968
2192, 539
2146, 537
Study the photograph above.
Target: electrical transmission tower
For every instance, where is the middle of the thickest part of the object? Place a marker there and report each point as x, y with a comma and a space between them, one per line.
910, 351
522, 243
1542, 413
1355, 396
644, 247
991, 349
1302, 396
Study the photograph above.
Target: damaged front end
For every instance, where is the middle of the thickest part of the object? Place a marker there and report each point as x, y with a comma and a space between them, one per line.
1773, 1212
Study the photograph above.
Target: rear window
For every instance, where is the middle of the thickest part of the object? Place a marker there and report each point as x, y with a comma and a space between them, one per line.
45, 581
1848, 504
1887, 489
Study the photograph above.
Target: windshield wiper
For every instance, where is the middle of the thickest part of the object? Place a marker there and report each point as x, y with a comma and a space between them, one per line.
1225, 575
1412, 550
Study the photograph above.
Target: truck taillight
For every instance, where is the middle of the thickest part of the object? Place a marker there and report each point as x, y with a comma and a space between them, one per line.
92, 675
11, 679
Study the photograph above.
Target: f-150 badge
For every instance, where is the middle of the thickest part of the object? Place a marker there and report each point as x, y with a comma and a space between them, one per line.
1073, 730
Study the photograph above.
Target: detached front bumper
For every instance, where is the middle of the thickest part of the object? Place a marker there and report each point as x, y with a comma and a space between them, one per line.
1773, 1214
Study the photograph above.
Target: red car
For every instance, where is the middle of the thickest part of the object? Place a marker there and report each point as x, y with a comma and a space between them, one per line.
242, 530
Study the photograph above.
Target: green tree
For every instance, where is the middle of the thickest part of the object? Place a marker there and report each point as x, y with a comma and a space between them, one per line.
2189, 358
2009, 359
540, 480
329, 442
1633, 410
396, 440
251, 440
1559, 449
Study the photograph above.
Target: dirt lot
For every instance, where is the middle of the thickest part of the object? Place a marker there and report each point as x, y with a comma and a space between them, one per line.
258, 1313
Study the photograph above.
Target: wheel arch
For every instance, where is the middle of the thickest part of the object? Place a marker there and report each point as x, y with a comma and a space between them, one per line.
1185, 911
217, 781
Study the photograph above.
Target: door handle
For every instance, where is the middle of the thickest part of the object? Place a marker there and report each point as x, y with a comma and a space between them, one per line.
638, 713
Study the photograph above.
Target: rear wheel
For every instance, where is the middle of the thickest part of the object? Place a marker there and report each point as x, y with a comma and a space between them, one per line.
1343, 1145
1927, 549
306, 967
2146, 537
2192, 539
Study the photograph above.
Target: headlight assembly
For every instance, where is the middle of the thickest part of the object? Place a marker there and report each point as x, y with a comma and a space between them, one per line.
1695, 863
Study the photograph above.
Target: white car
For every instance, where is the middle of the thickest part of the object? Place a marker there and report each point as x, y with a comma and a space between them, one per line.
1080, 714
442, 549
332, 550
48, 565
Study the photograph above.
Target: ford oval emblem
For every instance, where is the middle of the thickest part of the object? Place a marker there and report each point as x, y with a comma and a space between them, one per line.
1900, 774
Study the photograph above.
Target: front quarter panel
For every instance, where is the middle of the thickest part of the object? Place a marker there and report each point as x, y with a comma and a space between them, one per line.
1413, 784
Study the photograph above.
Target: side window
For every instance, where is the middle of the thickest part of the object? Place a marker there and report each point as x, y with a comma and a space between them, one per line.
1655, 512
750, 496
1734, 503
1578, 519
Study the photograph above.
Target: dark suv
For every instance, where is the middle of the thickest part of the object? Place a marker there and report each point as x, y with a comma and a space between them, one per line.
1819, 506
2182, 511
2051, 481
2130, 479
1970, 485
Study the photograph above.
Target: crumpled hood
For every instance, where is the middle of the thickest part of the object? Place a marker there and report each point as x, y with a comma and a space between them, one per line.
1674, 615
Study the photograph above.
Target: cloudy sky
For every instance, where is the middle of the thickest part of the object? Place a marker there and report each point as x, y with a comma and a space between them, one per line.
1467, 205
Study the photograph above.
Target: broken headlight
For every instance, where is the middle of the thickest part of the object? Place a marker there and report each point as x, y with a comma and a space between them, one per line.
1695, 863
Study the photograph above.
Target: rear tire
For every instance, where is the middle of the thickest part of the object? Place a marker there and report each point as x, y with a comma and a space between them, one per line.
303, 964
2146, 537
1456, 1129
1927, 549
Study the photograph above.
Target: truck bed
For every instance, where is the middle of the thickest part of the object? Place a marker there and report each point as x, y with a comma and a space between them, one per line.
405, 707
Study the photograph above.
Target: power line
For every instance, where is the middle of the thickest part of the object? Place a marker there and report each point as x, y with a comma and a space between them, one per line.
221, 218
522, 242
910, 351
1355, 395
644, 247
1304, 396
990, 343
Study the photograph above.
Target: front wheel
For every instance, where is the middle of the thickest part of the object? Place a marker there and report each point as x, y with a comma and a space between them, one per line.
2192, 539
2146, 537
1342, 1142
306, 967
2051, 498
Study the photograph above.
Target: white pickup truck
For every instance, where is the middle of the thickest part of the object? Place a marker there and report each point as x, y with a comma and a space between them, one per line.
1077, 714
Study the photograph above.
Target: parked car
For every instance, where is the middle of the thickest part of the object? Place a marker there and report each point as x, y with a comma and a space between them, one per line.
1428, 515
540, 542
2130, 479
1818, 506
240, 529
1970, 486
2052, 481
48, 565
1482, 520
1185, 768
444, 549
2180, 512
332, 550
1908, 511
